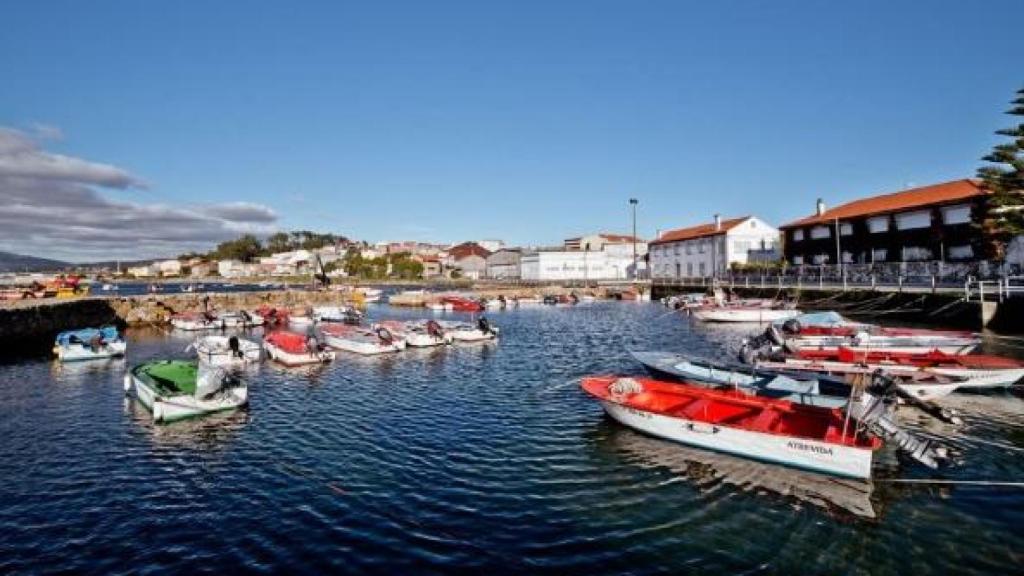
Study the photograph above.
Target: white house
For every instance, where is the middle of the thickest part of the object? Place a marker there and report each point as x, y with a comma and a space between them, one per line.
146, 271
168, 267
707, 249
617, 243
235, 269
575, 265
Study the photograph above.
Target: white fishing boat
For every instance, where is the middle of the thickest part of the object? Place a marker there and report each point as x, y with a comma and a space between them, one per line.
865, 343
481, 331
239, 319
752, 314
89, 344
528, 301
418, 333
226, 350
194, 322
175, 389
346, 314
729, 421
370, 295
438, 306
293, 349
363, 341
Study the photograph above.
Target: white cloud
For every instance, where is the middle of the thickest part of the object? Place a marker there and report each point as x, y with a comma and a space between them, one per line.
50, 206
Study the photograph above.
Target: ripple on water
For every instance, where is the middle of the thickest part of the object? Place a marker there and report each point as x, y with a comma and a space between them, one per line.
471, 458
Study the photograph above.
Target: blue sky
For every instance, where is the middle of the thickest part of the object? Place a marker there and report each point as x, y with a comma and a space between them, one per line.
526, 121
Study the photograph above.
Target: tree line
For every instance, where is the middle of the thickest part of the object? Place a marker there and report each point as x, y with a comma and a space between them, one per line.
1002, 212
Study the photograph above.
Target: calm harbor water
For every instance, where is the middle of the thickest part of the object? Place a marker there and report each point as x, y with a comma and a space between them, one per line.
471, 458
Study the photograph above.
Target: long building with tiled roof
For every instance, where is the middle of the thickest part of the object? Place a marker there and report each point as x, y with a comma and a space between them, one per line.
706, 249
925, 223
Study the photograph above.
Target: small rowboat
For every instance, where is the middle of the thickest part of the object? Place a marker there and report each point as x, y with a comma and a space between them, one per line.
174, 389
730, 421
465, 332
227, 351
418, 333
89, 344
293, 349
867, 343
345, 314
194, 322
460, 304
362, 340
744, 314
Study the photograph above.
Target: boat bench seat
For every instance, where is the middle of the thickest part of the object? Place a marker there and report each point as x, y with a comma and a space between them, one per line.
766, 420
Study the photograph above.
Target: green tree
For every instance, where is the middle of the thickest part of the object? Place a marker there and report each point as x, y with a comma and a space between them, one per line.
279, 242
245, 249
1002, 212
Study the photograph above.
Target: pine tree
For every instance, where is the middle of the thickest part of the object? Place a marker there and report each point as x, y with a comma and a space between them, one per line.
1002, 215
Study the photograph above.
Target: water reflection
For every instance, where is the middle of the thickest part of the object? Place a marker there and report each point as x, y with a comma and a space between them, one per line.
212, 432
706, 470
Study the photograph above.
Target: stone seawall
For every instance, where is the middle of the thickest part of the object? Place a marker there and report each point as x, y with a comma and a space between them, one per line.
29, 327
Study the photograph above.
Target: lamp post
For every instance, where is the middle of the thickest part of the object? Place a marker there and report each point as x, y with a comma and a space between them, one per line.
633, 202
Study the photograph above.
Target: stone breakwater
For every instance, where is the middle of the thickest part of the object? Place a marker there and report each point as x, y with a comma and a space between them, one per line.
29, 327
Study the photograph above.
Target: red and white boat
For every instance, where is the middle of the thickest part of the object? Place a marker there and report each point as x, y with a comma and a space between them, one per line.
460, 304
779, 431
758, 314
418, 333
293, 349
978, 370
362, 340
834, 324
864, 342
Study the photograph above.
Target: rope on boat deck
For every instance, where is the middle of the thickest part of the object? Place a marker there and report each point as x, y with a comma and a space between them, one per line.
941, 482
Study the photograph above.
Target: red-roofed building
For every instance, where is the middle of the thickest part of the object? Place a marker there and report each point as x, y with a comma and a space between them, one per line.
707, 249
926, 223
469, 258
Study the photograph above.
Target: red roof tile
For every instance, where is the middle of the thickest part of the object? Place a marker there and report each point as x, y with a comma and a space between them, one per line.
915, 198
468, 249
700, 231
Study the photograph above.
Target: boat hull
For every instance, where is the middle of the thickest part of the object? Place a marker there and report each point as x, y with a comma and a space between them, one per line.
180, 407
359, 346
282, 356
752, 315
79, 353
802, 453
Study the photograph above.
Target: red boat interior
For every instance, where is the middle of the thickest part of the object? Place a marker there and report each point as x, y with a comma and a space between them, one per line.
289, 342
733, 409
935, 358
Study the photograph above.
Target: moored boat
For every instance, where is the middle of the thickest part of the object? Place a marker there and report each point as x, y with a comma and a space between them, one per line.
89, 344
345, 314
758, 314
175, 389
226, 350
460, 304
418, 333
362, 340
730, 421
292, 349
466, 332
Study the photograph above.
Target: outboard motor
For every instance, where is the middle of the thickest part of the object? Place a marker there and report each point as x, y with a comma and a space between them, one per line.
233, 345
873, 410
434, 329
774, 335
312, 344
385, 335
791, 326
483, 325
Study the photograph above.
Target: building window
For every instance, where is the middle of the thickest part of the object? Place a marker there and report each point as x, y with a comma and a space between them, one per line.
913, 220
878, 224
916, 253
845, 229
689, 248
879, 255
963, 252
959, 214
753, 223
676, 245
798, 235
678, 269
700, 247
689, 269
798, 260
703, 269
819, 232
847, 257
741, 246
821, 259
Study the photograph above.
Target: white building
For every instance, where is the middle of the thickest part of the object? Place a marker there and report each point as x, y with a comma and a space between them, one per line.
707, 249
582, 265
146, 271
168, 267
616, 243
235, 269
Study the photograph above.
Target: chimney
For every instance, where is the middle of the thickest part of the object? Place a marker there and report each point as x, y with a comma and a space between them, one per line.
718, 222
821, 206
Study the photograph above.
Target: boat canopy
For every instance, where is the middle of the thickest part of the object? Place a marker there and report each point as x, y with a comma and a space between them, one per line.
824, 319
107, 333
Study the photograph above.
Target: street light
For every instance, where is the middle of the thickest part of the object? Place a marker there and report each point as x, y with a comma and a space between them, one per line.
633, 202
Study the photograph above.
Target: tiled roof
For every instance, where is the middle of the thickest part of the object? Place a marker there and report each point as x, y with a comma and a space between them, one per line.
619, 238
897, 201
467, 249
700, 231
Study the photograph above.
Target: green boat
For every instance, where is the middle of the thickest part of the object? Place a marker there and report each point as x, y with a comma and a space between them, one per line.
176, 389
